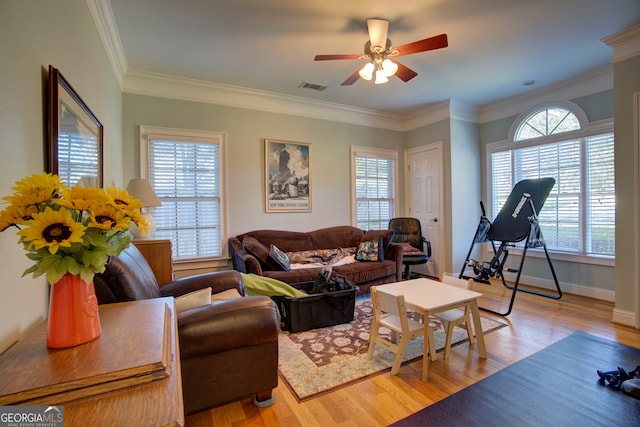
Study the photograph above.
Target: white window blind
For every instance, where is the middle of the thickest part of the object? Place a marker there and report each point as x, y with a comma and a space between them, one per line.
578, 217
186, 176
375, 188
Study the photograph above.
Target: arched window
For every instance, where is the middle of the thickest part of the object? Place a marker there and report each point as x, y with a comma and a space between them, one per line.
578, 218
545, 122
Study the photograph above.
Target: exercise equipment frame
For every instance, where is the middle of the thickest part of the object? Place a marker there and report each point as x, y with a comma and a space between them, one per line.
509, 228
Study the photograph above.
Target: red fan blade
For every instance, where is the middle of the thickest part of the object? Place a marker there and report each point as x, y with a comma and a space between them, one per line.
436, 42
351, 79
332, 57
405, 73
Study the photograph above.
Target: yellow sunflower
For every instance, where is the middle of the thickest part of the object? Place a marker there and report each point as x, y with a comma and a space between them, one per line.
83, 198
139, 220
107, 217
15, 214
52, 229
36, 189
123, 200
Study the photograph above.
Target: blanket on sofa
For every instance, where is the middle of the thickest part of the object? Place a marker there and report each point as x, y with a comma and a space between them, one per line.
259, 285
322, 257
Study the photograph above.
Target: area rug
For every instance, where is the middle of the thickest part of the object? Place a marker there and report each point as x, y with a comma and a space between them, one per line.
557, 386
319, 360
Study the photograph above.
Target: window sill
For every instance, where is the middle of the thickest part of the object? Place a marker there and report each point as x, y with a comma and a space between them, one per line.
200, 263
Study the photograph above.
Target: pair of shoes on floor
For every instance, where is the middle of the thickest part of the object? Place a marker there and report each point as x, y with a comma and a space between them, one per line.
614, 379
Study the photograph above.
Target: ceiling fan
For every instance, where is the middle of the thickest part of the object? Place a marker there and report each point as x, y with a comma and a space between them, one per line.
378, 50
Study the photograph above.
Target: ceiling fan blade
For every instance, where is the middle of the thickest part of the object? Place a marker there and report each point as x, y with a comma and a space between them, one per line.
351, 79
332, 57
405, 73
436, 42
378, 29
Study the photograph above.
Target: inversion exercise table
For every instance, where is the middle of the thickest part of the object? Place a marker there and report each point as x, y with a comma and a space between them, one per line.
516, 221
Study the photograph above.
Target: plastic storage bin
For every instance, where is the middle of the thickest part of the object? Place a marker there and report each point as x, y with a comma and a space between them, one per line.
316, 310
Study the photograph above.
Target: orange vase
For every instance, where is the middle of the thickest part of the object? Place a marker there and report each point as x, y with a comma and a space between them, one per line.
73, 313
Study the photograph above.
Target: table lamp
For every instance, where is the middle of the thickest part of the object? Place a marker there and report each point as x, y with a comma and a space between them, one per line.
141, 189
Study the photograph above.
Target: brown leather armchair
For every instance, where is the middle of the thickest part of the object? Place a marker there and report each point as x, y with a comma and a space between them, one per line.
228, 350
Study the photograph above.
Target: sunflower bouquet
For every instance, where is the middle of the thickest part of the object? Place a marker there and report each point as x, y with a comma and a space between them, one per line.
70, 230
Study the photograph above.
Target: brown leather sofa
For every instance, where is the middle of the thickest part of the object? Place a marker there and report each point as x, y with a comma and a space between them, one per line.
362, 274
228, 350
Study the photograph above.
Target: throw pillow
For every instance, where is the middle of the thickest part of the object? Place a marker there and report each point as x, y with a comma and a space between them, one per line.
386, 235
226, 295
193, 299
257, 249
279, 258
409, 250
372, 250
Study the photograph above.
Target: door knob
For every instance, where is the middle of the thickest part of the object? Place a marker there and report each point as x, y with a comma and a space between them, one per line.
435, 220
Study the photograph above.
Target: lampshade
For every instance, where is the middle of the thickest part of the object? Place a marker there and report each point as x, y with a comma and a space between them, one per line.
88, 181
141, 189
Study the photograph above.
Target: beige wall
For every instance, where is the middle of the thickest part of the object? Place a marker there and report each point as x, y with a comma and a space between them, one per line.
34, 34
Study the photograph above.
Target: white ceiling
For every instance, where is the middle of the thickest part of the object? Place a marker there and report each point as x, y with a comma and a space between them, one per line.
269, 45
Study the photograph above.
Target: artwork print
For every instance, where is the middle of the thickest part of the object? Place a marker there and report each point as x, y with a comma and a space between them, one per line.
288, 184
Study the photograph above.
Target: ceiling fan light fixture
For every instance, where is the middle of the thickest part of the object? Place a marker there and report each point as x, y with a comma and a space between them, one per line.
366, 72
381, 77
377, 51
389, 67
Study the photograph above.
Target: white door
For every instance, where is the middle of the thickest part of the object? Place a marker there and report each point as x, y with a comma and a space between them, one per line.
424, 200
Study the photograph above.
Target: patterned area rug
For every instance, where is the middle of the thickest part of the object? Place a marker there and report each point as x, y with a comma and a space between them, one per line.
319, 360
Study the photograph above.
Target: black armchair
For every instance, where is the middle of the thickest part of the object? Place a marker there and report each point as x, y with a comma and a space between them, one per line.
417, 250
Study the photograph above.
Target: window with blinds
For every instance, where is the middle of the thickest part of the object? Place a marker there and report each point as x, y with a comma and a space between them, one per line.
579, 214
374, 187
185, 172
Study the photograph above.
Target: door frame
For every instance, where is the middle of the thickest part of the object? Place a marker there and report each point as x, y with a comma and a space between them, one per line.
439, 254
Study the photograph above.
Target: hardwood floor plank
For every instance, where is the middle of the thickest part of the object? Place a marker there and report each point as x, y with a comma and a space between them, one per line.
535, 323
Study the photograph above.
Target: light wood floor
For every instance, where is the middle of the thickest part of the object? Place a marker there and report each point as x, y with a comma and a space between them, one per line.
534, 323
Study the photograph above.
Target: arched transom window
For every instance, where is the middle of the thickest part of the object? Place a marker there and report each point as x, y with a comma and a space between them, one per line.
545, 122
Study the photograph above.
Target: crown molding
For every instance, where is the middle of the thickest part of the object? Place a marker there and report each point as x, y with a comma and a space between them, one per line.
443, 110
589, 83
625, 43
465, 112
428, 115
167, 86
104, 22
173, 87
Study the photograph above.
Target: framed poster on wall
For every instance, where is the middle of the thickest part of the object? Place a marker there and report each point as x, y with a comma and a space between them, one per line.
287, 176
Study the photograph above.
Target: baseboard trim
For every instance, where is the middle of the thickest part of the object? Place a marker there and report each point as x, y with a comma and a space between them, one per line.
624, 317
570, 288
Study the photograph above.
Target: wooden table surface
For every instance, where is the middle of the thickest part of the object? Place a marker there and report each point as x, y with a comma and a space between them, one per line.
130, 375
